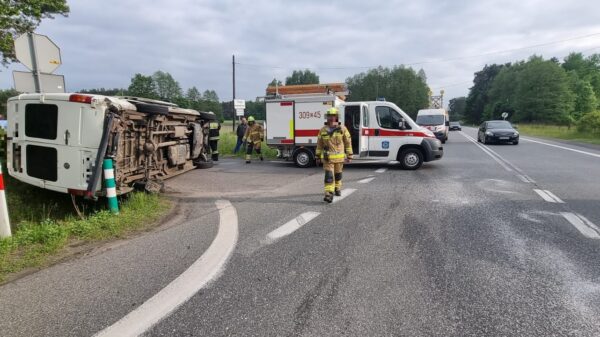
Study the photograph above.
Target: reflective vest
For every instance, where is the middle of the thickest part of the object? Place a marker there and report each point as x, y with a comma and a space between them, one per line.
213, 130
334, 145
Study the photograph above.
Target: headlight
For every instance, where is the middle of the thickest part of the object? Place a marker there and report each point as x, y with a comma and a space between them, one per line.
489, 133
516, 133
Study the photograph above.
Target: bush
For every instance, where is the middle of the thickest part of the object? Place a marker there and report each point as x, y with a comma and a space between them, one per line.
590, 122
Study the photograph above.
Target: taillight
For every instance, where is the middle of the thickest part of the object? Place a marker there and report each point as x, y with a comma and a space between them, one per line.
78, 98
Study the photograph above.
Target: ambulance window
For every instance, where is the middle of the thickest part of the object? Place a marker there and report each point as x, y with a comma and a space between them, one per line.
41, 121
387, 117
365, 117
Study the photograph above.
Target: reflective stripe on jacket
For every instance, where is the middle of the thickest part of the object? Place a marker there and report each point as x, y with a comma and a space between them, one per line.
334, 145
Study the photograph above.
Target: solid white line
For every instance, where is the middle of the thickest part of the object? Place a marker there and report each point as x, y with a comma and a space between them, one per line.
523, 178
291, 226
381, 170
366, 180
345, 192
207, 268
583, 225
484, 149
544, 195
562, 147
553, 196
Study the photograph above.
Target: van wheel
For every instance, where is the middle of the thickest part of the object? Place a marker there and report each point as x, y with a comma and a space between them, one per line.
303, 158
411, 159
203, 162
153, 109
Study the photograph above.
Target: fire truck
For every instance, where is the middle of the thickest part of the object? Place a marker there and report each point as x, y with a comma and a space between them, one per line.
380, 130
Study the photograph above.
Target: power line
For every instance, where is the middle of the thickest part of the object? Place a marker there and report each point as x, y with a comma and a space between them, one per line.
427, 62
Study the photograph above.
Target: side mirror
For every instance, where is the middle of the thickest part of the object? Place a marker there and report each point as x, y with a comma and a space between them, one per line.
447, 123
402, 124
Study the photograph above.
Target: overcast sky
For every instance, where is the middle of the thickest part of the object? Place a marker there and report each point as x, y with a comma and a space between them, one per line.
105, 42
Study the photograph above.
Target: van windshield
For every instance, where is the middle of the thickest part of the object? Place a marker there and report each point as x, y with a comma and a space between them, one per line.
430, 119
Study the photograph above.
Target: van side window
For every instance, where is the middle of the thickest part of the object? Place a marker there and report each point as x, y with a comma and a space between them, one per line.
365, 119
387, 117
41, 121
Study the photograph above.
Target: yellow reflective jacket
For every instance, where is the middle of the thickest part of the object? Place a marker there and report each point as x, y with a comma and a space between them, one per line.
254, 133
335, 145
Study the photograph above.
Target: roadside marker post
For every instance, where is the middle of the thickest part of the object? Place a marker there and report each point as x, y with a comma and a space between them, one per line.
109, 182
4, 220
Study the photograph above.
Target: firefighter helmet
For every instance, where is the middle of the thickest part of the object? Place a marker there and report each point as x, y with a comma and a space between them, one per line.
250, 119
331, 112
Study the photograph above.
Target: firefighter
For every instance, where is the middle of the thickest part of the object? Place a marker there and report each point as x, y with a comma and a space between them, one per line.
334, 146
213, 138
254, 137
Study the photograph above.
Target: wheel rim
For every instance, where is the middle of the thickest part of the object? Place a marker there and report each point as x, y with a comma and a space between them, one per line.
411, 159
302, 158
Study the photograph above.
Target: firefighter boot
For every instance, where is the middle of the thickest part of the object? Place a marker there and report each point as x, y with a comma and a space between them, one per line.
328, 198
338, 193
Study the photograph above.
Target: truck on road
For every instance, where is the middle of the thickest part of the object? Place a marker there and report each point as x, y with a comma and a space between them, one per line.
58, 141
380, 130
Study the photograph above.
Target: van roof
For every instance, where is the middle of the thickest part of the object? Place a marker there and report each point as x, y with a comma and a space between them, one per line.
432, 112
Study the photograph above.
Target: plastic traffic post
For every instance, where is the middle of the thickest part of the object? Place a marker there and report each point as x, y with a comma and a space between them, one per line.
4, 220
109, 182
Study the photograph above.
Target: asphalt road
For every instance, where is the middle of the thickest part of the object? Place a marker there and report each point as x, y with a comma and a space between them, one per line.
464, 246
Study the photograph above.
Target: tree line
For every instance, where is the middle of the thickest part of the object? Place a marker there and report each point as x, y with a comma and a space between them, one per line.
537, 90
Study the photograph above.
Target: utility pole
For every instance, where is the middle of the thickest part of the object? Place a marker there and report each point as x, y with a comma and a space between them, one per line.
233, 113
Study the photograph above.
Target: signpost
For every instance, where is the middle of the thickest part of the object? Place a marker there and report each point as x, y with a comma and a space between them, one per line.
42, 56
504, 115
239, 105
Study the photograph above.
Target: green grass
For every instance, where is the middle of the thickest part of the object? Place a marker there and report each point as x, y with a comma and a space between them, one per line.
227, 142
44, 223
559, 132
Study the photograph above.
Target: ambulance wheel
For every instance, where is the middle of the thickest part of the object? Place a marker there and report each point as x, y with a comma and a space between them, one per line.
411, 159
303, 158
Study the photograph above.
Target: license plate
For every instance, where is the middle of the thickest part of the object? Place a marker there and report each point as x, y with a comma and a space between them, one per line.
503, 137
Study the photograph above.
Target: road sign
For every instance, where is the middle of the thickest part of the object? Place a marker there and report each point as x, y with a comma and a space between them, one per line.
504, 115
239, 104
239, 112
25, 82
37, 52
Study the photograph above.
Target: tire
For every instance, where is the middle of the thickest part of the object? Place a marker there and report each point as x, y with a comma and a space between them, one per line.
478, 138
303, 158
203, 162
444, 141
152, 109
411, 159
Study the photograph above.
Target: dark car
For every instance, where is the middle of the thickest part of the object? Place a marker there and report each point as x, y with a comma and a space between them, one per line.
497, 132
455, 126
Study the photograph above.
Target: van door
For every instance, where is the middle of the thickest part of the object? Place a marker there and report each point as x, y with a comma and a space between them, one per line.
364, 130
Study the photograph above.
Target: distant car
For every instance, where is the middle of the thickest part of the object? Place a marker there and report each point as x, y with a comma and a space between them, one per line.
497, 132
455, 126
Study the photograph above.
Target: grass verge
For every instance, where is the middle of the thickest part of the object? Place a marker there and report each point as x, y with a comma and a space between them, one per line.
44, 225
558, 132
227, 142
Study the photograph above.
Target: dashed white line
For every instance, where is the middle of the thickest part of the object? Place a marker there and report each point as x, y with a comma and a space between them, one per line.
345, 192
562, 147
207, 268
366, 180
291, 226
583, 225
381, 170
548, 196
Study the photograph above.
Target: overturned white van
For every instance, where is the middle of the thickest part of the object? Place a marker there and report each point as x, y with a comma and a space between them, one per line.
58, 141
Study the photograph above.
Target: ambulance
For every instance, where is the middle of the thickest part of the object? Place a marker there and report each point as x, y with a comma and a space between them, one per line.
380, 130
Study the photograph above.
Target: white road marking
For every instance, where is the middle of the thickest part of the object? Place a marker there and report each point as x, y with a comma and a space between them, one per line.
583, 225
366, 180
484, 149
345, 192
522, 177
553, 196
291, 226
548, 196
207, 268
562, 147
381, 170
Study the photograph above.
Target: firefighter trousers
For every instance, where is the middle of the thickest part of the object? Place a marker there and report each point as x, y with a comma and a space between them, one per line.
214, 149
333, 176
253, 146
